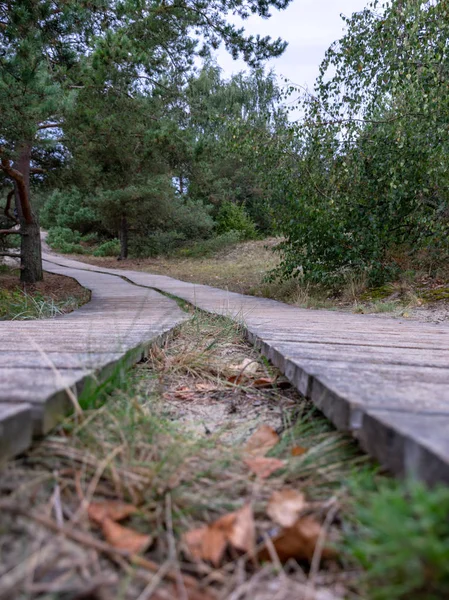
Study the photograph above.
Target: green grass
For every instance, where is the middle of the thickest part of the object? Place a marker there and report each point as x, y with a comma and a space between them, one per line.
18, 305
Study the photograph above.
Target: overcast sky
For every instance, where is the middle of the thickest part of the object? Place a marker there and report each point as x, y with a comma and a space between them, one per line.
309, 27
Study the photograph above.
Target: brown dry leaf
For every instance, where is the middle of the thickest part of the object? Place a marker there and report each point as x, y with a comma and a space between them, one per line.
124, 538
248, 366
184, 393
261, 441
285, 507
298, 451
264, 382
210, 542
206, 543
193, 539
205, 387
243, 532
298, 541
110, 509
264, 467
235, 379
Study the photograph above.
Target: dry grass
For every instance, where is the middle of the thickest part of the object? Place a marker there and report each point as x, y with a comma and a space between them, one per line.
171, 441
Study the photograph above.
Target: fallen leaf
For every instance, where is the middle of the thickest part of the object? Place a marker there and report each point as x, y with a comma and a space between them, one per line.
242, 534
264, 467
214, 545
193, 539
206, 543
248, 366
285, 506
298, 451
124, 538
235, 379
298, 541
184, 393
264, 382
110, 509
205, 387
261, 441
210, 542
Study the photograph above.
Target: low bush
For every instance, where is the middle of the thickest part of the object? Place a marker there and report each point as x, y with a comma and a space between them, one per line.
400, 536
65, 240
109, 248
233, 217
211, 246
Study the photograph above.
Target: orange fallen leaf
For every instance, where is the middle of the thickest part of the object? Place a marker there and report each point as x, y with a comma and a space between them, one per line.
124, 538
111, 509
264, 382
206, 543
205, 387
184, 393
264, 467
210, 542
242, 535
285, 506
261, 441
298, 541
298, 451
235, 379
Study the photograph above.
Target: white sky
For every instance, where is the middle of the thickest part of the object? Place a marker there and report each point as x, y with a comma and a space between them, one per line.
309, 27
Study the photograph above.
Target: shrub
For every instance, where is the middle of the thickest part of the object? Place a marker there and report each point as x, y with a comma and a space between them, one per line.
233, 217
159, 242
65, 240
401, 539
109, 248
211, 246
71, 209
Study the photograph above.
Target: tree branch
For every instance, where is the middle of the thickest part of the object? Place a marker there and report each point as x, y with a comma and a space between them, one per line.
19, 179
7, 210
49, 125
10, 232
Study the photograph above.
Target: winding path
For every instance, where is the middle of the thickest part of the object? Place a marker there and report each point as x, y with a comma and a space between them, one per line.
385, 380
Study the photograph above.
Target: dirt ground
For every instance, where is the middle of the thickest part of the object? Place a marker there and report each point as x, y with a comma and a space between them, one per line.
57, 287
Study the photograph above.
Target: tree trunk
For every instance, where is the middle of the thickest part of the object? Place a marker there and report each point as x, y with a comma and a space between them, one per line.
31, 251
123, 238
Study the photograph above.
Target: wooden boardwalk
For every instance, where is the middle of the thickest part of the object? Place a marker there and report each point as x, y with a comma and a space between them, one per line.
45, 364
385, 380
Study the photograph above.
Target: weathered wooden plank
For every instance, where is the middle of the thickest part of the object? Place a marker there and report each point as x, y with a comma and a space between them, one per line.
15, 429
409, 445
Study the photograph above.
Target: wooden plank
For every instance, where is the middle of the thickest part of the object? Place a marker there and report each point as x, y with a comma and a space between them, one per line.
15, 430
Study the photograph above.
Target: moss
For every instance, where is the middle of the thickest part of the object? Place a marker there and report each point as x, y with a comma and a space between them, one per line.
435, 295
378, 293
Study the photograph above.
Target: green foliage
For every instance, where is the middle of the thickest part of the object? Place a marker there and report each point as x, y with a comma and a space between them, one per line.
363, 174
233, 217
213, 245
158, 242
65, 240
70, 209
400, 537
20, 306
109, 248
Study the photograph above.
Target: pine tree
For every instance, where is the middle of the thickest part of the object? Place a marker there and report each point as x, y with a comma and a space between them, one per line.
52, 48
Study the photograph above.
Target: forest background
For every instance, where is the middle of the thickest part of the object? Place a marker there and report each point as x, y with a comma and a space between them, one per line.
115, 141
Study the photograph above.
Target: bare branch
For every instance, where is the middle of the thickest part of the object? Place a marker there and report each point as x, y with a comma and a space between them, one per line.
10, 232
